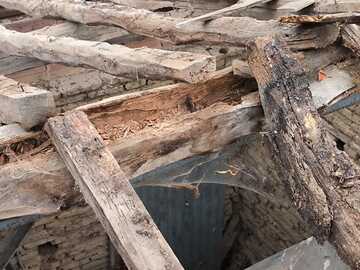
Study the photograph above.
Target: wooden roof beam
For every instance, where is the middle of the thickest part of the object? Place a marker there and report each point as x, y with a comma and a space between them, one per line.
108, 191
235, 31
113, 59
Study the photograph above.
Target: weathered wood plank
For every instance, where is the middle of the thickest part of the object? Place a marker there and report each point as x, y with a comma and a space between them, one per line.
113, 59
23, 104
322, 180
322, 19
296, 5
108, 191
241, 5
236, 31
351, 37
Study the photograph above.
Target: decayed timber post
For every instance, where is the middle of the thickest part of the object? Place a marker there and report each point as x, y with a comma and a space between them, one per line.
322, 180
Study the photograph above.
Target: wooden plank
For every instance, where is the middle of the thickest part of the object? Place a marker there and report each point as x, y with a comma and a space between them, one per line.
153, 5
322, 19
241, 5
29, 106
323, 181
108, 191
296, 5
113, 59
12, 64
236, 31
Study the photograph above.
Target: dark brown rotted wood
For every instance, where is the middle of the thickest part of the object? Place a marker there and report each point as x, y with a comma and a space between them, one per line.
108, 191
323, 181
326, 18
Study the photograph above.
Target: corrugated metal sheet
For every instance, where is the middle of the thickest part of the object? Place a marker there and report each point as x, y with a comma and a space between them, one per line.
193, 227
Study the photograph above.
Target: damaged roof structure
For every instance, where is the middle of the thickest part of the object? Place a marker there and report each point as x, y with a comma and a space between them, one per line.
259, 99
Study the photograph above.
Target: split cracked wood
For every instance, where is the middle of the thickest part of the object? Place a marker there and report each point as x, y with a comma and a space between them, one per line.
113, 59
227, 30
108, 191
323, 181
351, 17
241, 5
351, 38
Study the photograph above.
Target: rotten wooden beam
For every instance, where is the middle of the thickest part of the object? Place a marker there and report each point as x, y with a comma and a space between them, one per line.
236, 31
108, 191
352, 17
113, 59
323, 181
295, 5
208, 127
241, 5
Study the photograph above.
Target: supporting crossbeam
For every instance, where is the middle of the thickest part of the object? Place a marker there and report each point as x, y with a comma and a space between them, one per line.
227, 30
108, 191
113, 59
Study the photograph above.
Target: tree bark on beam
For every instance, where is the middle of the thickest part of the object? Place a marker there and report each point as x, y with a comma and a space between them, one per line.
323, 181
234, 31
107, 190
113, 59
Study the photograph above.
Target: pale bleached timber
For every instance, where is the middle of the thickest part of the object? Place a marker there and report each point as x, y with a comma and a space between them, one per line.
152, 5
351, 38
113, 59
24, 104
236, 31
12, 64
108, 191
241, 5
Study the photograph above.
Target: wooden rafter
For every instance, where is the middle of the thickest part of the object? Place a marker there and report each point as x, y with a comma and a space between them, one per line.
235, 31
108, 191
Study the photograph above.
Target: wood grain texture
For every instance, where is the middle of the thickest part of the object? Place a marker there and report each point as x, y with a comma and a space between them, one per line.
241, 5
338, 6
323, 181
113, 59
236, 31
108, 191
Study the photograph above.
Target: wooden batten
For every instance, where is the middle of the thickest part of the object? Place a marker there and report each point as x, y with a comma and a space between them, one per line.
108, 191
113, 59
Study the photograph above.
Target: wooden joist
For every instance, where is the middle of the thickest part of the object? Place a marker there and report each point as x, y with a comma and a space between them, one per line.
322, 19
113, 59
241, 5
296, 5
236, 31
24, 104
12, 64
323, 181
108, 191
